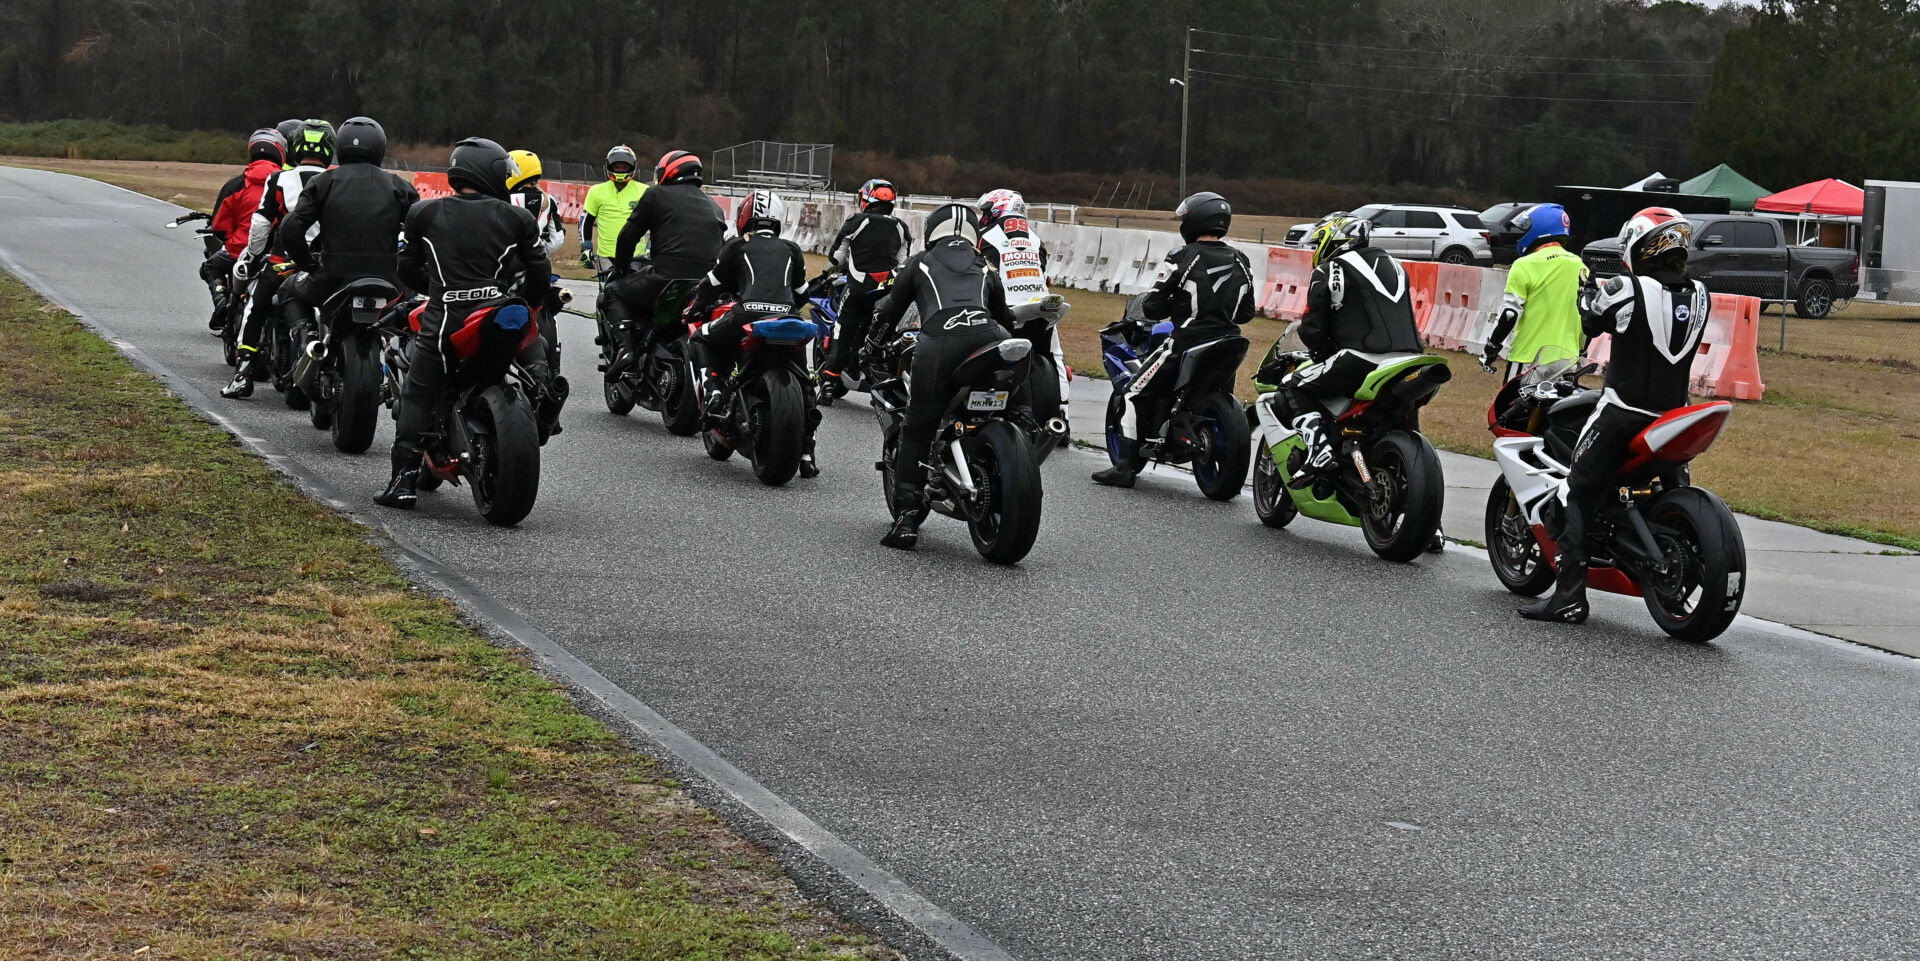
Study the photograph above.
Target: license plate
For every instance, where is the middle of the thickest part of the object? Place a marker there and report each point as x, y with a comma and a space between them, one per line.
364, 302
987, 400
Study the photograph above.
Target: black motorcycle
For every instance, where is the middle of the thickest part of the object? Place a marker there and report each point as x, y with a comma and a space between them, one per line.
1204, 423
765, 397
982, 469
339, 366
657, 378
229, 298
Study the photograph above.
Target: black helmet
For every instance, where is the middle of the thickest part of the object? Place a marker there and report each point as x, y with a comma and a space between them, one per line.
362, 141
950, 221
313, 142
289, 129
678, 167
481, 164
1202, 214
267, 144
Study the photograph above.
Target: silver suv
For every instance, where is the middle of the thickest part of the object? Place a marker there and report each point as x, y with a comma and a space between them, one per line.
1451, 235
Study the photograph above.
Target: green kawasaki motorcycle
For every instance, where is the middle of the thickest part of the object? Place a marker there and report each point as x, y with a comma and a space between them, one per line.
1385, 478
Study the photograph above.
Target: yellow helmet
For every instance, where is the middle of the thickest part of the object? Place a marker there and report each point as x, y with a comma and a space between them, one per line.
1337, 234
528, 164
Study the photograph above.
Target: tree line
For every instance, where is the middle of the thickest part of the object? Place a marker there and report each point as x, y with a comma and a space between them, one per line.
1478, 96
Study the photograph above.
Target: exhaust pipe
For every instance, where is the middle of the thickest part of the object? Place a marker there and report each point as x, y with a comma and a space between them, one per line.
566, 296
1053, 434
317, 350
308, 365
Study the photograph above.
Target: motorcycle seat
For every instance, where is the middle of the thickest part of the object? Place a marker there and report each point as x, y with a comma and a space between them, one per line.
998, 365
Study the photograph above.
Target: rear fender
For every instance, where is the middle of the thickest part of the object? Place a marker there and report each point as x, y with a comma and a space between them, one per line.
1211, 366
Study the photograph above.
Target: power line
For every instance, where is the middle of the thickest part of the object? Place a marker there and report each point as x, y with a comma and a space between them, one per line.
1430, 52
1451, 69
1409, 90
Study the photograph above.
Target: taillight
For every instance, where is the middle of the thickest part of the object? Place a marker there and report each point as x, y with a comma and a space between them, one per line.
1486, 236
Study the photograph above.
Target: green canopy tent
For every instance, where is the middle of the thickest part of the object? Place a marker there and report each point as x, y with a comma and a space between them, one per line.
1724, 181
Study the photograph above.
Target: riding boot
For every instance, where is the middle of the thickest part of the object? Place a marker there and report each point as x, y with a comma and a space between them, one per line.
243, 375
1319, 451
1120, 474
808, 467
1568, 602
910, 506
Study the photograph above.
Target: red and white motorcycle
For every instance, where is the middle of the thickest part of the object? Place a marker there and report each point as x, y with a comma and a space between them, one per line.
1660, 538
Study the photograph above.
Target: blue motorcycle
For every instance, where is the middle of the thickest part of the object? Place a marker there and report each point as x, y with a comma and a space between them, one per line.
1200, 422
826, 296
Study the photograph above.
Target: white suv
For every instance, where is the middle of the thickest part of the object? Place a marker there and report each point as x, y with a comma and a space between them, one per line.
1451, 235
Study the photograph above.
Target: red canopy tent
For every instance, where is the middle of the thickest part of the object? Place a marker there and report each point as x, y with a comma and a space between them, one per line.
1834, 198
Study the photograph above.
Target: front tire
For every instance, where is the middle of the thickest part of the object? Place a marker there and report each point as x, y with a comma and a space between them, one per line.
356, 411
1701, 594
1511, 547
1005, 520
1272, 503
1401, 517
1221, 470
779, 428
506, 479
1816, 299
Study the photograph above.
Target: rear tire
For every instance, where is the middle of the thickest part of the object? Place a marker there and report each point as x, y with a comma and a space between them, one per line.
1223, 472
1816, 299
1272, 503
1043, 385
1008, 521
679, 409
320, 414
1511, 547
507, 478
1456, 255
1400, 526
779, 428
1700, 600
356, 411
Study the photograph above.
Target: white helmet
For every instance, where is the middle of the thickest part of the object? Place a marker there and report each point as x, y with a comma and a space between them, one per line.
759, 210
952, 220
1651, 233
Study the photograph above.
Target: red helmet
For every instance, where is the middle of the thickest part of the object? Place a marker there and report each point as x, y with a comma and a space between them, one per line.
877, 191
678, 167
759, 210
1651, 233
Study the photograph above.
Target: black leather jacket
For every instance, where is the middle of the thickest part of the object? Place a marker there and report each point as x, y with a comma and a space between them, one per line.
685, 225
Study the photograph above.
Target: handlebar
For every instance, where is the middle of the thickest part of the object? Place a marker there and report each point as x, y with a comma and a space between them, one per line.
187, 218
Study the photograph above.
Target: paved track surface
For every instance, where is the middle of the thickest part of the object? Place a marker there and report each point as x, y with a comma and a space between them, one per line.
1171, 733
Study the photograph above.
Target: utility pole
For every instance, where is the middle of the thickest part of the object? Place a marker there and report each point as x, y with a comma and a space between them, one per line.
1186, 97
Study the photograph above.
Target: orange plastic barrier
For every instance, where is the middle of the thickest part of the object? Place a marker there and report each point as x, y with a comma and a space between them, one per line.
431, 185
1456, 305
1422, 278
1284, 296
568, 198
1728, 364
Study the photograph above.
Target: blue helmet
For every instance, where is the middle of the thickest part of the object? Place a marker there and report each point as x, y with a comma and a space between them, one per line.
1540, 223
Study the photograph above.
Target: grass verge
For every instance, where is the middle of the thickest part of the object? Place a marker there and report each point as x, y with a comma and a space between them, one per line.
229, 729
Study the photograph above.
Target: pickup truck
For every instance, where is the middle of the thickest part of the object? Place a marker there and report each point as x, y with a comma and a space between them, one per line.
1744, 254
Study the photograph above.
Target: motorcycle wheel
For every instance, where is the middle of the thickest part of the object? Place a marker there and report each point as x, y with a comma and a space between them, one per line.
1271, 501
1515, 553
1116, 409
616, 405
679, 409
356, 409
1221, 470
1707, 558
1005, 518
320, 414
778, 428
506, 442
1401, 517
1043, 382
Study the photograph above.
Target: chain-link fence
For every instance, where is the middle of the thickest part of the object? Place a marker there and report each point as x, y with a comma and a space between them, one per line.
1884, 330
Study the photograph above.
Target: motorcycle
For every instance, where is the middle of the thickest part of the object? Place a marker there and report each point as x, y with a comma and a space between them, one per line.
485, 430
826, 296
1051, 380
660, 381
1674, 545
229, 299
765, 396
1386, 477
982, 468
1206, 426
339, 366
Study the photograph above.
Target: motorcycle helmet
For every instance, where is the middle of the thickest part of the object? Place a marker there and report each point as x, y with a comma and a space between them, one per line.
876, 192
1337, 235
1205, 213
314, 142
622, 155
362, 141
288, 129
481, 164
761, 210
528, 163
1651, 234
952, 220
1541, 223
267, 144
677, 167
995, 204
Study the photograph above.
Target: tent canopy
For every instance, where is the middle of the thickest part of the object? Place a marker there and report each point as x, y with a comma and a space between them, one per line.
1724, 181
1835, 198
1642, 183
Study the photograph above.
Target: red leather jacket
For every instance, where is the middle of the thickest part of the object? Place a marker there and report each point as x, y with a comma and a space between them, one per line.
234, 218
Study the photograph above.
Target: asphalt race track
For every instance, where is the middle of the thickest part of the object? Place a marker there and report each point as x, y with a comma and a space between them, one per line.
1171, 732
